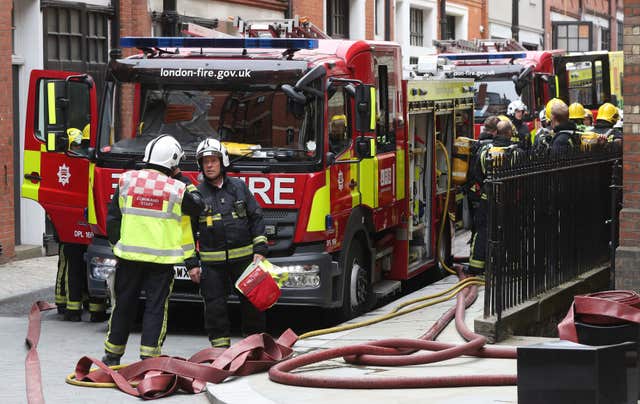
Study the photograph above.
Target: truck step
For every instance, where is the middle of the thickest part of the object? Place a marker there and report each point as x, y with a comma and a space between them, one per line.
386, 288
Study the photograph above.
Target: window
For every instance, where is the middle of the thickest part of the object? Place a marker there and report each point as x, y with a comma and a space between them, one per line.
415, 21
450, 31
413, 60
338, 18
620, 34
76, 39
605, 39
339, 132
572, 36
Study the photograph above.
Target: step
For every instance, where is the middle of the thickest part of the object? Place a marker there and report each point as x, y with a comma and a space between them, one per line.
386, 288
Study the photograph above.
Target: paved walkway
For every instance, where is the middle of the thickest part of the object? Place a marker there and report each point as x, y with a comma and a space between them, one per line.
24, 276
258, 389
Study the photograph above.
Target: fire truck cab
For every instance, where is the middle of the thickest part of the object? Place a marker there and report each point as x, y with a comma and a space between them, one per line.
348, 161
503, 71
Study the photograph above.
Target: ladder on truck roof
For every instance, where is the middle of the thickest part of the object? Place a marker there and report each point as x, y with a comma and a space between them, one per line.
279, 28
478, 46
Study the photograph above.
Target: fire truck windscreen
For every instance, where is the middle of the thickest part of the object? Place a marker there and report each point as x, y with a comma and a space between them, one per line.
257, 125
492, 97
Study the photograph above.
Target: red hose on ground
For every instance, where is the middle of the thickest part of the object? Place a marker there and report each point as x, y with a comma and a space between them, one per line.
395, 352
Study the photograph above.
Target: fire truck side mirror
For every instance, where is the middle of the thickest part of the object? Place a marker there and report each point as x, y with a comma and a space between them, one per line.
365, 102
57, 142
363, 147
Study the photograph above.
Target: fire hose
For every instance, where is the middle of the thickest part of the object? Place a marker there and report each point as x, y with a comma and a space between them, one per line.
396, 352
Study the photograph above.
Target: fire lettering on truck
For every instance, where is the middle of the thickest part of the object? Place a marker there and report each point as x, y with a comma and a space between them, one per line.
206, 73
261, 187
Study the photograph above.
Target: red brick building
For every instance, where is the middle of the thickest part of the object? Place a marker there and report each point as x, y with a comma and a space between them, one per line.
628, 253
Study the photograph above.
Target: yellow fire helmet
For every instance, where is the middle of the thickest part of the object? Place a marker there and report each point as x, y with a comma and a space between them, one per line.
587, 112
75, 136
608, 112
550, 104
505, 118
576, 111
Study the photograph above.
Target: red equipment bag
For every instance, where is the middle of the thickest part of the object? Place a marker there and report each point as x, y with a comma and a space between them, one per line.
258, 285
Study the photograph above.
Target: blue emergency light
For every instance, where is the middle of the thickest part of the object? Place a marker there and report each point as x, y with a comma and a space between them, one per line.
199, 42
483, 56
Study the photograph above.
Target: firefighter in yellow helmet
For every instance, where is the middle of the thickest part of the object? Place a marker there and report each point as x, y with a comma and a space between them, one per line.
544, 135
514, 132
71, 279
588, 119
577, 114
146, 258
500, 150
606, 120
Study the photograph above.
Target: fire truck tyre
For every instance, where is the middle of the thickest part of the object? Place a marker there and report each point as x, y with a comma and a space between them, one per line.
358, 292
444, 249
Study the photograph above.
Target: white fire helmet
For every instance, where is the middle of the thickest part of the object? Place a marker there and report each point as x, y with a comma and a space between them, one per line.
516, 105
163, 151
212, 147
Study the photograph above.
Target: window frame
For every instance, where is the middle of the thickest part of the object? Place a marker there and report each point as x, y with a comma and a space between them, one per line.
334, 18
416, 26
555, 34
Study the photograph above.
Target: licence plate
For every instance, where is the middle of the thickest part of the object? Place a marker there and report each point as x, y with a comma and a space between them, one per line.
181, 272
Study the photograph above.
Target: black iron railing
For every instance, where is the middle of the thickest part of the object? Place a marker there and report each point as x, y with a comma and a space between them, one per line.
551, 218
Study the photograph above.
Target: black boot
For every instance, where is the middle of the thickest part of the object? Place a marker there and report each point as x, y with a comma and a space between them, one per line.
110, 359
73, 315
99, 317
62, 308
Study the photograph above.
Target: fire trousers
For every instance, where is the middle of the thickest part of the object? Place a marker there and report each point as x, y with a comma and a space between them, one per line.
132, 277
216, 282
71, 280
480, 237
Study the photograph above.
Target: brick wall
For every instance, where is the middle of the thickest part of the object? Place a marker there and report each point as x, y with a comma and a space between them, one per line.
311, 9
7, 220
628, 254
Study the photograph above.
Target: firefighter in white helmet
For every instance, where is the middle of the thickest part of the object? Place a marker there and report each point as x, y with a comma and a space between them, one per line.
516, 111
231, 235
147, 226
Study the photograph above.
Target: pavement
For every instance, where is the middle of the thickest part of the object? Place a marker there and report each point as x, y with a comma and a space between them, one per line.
63, 343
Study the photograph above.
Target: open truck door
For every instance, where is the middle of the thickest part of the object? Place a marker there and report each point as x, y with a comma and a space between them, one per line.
59, 142
584, 78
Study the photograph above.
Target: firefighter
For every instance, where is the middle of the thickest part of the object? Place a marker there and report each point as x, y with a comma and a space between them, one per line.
231, 235
542, 139
147, 228
71, 279
472, 187
577, 115
588, 119
516, 111
565, 133
607, 118
500, 149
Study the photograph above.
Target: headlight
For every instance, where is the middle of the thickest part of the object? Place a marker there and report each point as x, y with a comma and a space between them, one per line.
102, 267
301, 276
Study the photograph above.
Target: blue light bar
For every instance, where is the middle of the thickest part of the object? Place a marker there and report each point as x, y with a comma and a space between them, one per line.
241, 43
483, 56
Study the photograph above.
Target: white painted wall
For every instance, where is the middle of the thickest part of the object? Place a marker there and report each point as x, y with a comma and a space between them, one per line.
217, 9
29, 56
403, 27
357, 20
462, 19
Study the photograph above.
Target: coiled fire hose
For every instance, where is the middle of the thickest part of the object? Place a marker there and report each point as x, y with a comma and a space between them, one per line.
395, 352
611, 307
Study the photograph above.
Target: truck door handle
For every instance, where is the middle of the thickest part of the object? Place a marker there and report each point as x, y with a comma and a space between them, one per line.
34, 177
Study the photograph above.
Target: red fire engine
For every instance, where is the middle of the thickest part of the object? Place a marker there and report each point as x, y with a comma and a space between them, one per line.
503, 71
348, 160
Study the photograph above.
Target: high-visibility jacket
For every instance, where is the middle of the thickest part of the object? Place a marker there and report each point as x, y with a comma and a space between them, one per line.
152, 222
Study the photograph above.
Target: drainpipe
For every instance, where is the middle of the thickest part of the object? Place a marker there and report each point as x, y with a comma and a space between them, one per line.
387, 20
115, 25
289, 11
169, 18
443, 19
515, 17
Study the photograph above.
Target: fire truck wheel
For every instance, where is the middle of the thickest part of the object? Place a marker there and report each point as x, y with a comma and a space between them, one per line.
358, 292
